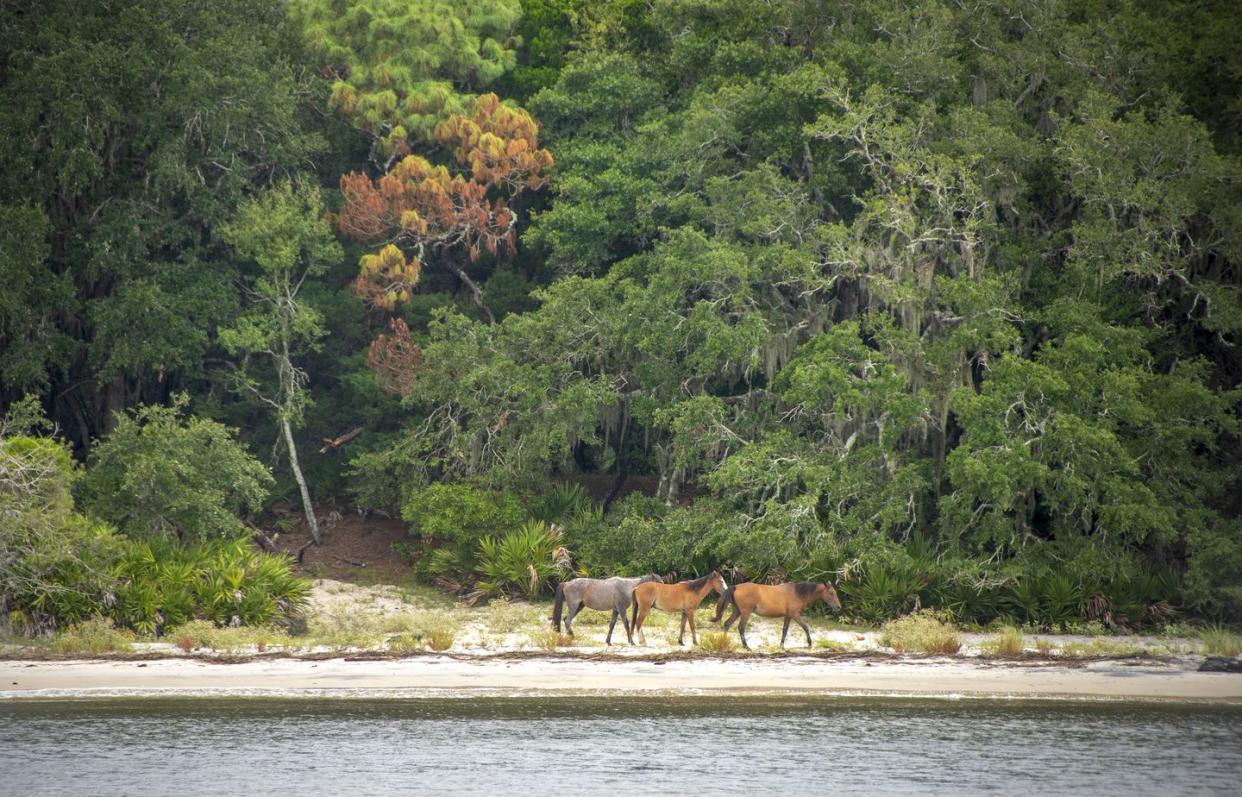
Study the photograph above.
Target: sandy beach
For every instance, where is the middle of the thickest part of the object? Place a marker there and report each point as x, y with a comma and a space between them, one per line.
441, 676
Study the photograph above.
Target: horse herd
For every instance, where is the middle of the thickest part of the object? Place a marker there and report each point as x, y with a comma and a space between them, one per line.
621, 595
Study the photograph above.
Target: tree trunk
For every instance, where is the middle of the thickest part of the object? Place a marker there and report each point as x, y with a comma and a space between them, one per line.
297, 474
476, 293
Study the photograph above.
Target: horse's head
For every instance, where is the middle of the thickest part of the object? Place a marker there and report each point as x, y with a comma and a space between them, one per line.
717, 582
828, 594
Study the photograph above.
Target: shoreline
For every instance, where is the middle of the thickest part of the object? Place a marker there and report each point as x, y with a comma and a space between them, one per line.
550, 676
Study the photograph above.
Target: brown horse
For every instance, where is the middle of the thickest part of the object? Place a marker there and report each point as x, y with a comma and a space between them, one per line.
779, 600
684, 597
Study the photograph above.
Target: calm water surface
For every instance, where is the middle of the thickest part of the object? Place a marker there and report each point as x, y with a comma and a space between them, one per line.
630, 745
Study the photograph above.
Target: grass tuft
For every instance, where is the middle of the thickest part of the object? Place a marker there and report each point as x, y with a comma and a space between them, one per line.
1009, 643
205, 634
1219, 641
716, 642
440, 640
94, 636
833, 644
550, 640
922, 632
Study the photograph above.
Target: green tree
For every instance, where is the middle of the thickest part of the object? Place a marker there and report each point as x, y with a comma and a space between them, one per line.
128, 134
162, 474
399, 68
284, 239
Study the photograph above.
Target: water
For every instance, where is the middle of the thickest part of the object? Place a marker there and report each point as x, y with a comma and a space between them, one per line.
631, 745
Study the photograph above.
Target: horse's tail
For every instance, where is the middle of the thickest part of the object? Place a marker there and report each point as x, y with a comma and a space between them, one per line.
557, 606
634, 604
724, 601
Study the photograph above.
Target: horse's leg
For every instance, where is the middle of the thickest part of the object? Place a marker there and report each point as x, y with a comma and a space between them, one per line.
569, 618
694, 637
785, 632
611, 625
625, 621
804, 628
732, 616
741, 629
681, 635
643, 611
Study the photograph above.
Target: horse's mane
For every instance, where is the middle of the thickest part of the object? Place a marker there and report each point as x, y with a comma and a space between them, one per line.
805, 588
698, 582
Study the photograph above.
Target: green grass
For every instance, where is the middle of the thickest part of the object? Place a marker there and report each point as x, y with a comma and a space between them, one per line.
1219, 641
717, 642
440, 640
923, 632
835, 645
92, 637
1009, 643
199, 634
550, 640
506, 617
1103, 648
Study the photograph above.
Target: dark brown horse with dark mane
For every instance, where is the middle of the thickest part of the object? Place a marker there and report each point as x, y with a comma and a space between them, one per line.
778, 600
683, 597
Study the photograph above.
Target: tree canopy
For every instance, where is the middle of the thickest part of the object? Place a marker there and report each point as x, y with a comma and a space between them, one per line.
934, 299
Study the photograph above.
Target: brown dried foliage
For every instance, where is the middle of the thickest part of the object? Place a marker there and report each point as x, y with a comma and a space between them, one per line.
395, 359
418, 205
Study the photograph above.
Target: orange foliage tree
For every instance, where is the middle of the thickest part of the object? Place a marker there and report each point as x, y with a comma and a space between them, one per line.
419, 211
395, 359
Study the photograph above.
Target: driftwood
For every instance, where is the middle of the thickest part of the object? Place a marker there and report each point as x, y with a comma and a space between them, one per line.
333, 443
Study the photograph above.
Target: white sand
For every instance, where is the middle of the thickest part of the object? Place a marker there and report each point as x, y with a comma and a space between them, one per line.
458, 677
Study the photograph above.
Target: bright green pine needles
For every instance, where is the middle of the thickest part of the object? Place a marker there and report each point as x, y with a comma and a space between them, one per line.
398, 64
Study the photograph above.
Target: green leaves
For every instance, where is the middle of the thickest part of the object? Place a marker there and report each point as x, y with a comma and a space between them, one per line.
159, 475
402, 67
132, 132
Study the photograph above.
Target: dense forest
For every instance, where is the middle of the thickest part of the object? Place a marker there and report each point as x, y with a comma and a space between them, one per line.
939, 301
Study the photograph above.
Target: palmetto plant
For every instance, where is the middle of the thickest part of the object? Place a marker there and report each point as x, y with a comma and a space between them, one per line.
227, 582
884, 593
1062, 601
561, 503
525, 562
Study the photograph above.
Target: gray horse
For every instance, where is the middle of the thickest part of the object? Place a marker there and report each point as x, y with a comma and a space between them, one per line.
605, 594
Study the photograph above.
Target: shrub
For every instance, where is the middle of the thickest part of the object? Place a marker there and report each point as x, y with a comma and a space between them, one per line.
452, 519
226, 582
159, 475
54, 563
563, 502
922, 632
882, 593
525, 562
